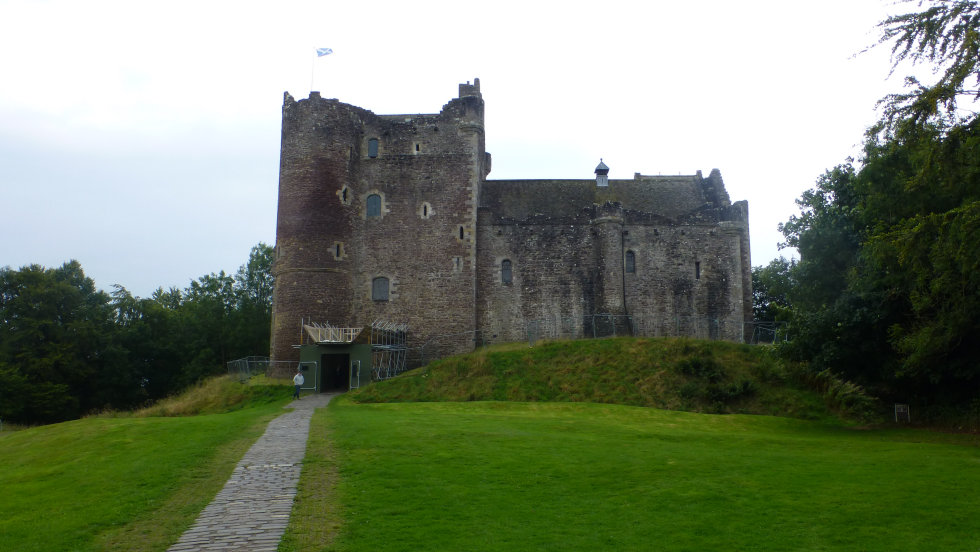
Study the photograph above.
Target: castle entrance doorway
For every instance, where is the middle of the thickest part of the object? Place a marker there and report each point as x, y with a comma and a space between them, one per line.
336, 372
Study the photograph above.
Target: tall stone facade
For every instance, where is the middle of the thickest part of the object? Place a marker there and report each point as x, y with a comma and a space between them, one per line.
391, 217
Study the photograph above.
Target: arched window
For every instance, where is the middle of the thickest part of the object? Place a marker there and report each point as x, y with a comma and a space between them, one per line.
374, 205
373, 148
379, 289
630, 262
506, 273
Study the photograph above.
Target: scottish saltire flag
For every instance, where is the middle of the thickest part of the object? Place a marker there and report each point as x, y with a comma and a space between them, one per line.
320, 52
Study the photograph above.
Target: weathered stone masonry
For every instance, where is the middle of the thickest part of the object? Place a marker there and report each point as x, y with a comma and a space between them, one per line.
402, 201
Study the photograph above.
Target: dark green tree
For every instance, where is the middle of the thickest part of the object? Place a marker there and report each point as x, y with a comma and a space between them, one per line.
149, 331
771, 288
56, 350
253, 294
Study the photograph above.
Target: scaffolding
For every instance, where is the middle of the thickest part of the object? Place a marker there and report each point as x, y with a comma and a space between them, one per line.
325, 333
388, 349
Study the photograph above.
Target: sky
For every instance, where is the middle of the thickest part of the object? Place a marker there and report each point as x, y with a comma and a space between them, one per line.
142, 138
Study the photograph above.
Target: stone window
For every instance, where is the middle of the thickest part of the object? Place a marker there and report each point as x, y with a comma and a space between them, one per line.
379, 289
374, 205
345, 195
630, 262
461, 234
697, 270
426, 210
373, 148
506, 272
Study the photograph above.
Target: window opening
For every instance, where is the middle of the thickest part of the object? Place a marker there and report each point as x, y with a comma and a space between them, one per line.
374, 205
630, 262
697, 270
373, 148
506, 273
425, 210
460, 232
379, 289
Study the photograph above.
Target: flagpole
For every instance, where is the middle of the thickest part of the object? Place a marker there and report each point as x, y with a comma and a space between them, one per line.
317, 53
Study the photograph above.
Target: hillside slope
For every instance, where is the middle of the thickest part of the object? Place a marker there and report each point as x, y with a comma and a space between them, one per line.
667, 373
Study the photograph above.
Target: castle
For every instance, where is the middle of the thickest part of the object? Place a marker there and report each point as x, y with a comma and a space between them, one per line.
392, 218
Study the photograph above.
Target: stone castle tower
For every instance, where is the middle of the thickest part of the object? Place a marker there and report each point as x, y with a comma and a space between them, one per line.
391, 217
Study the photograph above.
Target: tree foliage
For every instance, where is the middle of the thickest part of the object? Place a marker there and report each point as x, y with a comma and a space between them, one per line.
945, 36
771, 288
67, 349
885, 292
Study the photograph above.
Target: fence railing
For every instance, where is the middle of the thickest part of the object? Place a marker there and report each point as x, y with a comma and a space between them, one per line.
245, 368
641, 325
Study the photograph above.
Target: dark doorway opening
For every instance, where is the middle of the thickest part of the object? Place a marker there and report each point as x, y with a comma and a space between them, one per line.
336, 373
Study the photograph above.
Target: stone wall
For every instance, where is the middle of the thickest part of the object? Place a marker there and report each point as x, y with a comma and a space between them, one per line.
574, 266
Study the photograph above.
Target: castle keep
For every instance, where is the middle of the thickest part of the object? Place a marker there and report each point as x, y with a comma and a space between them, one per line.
392, 218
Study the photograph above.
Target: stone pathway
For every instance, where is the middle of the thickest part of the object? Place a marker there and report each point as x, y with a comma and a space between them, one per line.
251, 512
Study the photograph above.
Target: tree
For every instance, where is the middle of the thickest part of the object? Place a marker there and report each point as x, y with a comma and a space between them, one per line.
67, 349
253, 288
827, 233
924, 251
55, 337
946, 36
148, 330
771, 288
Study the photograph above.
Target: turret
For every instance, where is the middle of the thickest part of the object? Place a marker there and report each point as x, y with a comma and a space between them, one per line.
601, 174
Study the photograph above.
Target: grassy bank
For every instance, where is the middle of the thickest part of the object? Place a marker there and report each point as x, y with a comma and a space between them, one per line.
666, 373
548, 476
122, 482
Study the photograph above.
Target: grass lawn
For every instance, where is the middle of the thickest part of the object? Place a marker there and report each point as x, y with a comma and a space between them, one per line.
573, 476
119, 483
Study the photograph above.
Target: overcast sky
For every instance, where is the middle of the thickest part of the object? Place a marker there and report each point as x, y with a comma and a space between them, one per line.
142, 138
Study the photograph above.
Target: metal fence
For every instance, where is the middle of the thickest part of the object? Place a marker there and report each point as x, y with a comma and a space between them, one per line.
245, 368
642, 325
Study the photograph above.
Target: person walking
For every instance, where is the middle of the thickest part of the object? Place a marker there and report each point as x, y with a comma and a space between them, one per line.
298, 381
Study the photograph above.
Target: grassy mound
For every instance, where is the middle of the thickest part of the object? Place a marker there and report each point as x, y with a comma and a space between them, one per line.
218, 395
667, 373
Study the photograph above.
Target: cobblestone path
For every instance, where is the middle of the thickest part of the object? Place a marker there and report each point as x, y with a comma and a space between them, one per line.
251, 512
